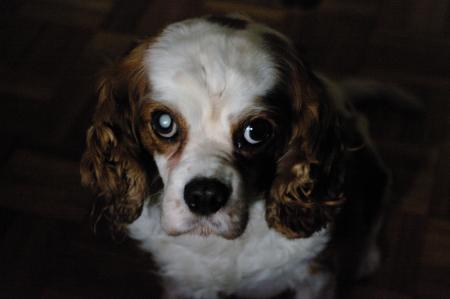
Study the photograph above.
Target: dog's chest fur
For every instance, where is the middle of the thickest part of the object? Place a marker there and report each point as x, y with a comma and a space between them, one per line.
260, 263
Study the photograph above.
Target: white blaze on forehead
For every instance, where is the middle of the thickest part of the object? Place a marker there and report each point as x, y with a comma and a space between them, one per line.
209, 73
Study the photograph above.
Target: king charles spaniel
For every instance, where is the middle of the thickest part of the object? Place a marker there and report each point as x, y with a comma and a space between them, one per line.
239, 169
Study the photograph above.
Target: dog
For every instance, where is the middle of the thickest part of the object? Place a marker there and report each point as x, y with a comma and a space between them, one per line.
240, 170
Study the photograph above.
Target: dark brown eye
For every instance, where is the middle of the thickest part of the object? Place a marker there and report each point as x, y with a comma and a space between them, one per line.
257, 132
164, 125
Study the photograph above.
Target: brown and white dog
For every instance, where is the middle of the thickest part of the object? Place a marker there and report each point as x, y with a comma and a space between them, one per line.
240, 171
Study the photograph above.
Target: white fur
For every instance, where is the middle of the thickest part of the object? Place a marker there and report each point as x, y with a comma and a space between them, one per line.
213, 77
258, 264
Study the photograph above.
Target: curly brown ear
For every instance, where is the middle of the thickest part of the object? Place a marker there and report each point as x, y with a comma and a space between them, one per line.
307, 190
112, 162
306, 194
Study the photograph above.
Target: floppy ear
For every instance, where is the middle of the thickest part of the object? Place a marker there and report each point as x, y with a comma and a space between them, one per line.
307, 190
113, 164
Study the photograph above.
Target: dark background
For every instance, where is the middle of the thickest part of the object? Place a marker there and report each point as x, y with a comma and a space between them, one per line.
50, 54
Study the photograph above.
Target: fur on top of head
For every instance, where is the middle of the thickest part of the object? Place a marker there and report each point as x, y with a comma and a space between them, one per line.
222, 104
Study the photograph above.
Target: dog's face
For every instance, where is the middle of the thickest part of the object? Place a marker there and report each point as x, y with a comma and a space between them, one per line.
228, 114
206, 109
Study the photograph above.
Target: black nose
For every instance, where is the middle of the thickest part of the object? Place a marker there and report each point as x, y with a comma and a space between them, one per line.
205, 196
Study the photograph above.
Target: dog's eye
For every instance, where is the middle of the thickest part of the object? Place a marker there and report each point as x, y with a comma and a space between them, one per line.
164, 125
257, 131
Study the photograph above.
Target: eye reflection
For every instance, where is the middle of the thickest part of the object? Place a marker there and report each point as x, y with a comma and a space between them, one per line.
256, 132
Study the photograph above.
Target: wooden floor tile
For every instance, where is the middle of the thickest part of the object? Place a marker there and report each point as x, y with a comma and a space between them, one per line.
44, 185
440, 197
435, 261
83, 14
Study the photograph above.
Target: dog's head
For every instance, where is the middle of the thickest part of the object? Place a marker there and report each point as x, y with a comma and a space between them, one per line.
209, 117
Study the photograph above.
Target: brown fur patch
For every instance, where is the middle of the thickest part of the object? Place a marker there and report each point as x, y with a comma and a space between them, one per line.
114, 165
305, 193
256, 164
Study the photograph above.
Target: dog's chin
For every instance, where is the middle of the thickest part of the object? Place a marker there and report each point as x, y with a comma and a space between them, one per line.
207, 231
205, 228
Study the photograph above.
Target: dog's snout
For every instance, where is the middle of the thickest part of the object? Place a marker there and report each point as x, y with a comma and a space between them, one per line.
205, 196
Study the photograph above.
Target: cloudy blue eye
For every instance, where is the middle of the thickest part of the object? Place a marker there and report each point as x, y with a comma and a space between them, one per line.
164, 125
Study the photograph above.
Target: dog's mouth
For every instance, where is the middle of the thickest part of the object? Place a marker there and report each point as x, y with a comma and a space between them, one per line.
228, 227
205, 229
